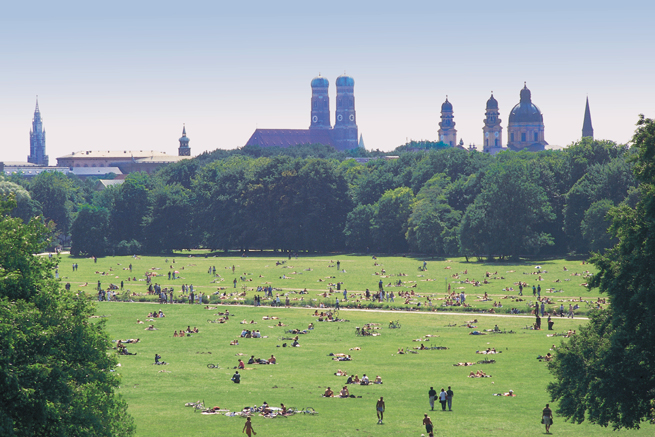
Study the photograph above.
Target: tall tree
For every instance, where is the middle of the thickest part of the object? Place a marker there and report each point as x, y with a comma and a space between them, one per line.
606, 373
89, 231
54, 363
389, 223
53, 190
507, 214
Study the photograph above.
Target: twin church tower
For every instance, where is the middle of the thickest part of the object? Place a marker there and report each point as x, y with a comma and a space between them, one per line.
342, 136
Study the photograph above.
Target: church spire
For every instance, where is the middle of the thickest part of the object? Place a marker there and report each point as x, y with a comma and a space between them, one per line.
587, 128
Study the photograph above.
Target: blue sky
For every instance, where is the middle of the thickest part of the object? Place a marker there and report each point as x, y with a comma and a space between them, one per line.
126, 75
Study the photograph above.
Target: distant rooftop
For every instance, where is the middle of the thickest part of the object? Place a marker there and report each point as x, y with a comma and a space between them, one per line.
113, 154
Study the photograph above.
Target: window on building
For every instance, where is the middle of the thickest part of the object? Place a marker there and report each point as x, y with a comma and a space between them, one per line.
536, 136
486, 143
523, 136
496, 142
512, 136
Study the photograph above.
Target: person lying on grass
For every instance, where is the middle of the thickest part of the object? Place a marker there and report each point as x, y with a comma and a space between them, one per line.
477, 333
489, 351
478, 374
510, 393
340, 357
269, 318
339, 372
151, 328
464, 364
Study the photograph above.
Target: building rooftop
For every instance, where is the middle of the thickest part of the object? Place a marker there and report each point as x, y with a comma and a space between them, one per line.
114, 154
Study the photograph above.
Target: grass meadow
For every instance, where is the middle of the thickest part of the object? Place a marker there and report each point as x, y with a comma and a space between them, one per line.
157, 394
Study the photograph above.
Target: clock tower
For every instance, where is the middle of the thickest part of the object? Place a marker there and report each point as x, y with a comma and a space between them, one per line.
345, 125
492, 132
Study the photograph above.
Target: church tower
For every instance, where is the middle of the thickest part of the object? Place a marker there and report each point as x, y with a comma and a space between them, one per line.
184, 149
345, 126
37, 140
492, 133
320, 104
447, 131
587, 128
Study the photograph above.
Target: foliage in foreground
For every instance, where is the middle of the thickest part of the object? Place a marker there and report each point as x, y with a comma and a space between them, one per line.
607, 373
57, 378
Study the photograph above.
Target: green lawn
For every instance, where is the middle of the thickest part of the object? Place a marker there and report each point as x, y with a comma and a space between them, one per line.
157, 398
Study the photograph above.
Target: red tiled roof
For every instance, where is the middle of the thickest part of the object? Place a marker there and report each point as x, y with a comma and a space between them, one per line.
289, 137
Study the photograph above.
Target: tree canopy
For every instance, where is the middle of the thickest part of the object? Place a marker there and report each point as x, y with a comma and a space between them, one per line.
606, 373
57, 378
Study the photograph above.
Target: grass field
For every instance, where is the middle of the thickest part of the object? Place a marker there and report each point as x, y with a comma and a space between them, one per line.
157, 394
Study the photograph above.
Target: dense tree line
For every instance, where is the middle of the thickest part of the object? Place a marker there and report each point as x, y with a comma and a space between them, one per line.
443, 201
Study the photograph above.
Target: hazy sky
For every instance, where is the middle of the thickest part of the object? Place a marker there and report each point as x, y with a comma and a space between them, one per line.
126, 74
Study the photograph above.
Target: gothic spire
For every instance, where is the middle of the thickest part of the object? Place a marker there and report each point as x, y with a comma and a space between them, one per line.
587, 128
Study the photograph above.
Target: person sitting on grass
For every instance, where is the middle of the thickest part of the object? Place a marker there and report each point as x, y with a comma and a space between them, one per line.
365, 380
344, 392
339, 372
236, 378
295, 343
378, 380
272, 360
234, 343
251, 360
283, 409
241, 365
328, 393
350, 380
401, 351
175, 334
157, 358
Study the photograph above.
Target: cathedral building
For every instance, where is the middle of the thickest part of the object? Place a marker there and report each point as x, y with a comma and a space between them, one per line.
37, 140
343, 136
447, 131
525, 130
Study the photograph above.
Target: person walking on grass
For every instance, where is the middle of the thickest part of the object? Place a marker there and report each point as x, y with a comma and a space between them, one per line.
380, 409
247, 428
432, 395
449, 398
547, 418
442, 399
429, 428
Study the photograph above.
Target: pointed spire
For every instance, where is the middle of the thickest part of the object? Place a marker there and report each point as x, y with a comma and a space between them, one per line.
587, 128
184, 129
37, 105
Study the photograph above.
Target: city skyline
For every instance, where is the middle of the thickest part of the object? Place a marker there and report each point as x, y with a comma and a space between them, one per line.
108, 80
